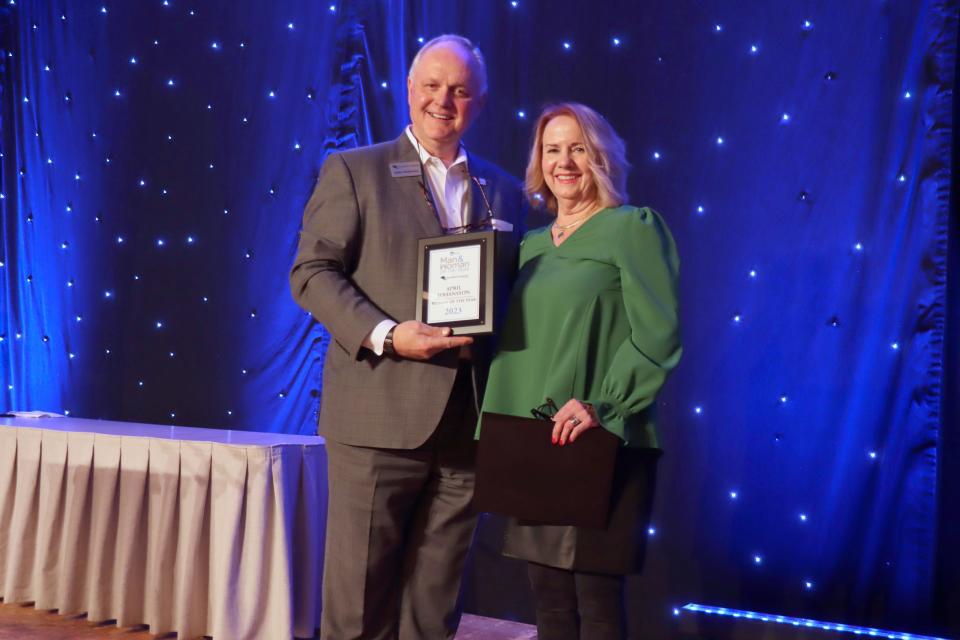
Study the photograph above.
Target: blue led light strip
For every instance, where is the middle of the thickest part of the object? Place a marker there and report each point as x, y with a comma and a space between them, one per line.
802, 622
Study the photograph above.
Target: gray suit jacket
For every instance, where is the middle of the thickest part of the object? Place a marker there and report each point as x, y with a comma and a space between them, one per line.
357, 265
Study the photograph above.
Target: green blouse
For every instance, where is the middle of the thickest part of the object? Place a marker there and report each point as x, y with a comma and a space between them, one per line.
593, 319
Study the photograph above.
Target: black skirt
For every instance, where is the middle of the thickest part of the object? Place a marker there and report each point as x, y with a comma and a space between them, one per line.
617, 549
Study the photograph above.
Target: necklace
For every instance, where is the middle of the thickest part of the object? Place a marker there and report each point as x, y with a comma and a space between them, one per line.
562, 228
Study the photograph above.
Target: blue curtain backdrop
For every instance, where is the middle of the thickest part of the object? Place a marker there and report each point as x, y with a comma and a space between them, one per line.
156, 156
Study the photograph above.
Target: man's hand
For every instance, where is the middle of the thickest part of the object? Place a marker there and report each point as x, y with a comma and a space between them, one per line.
419, 341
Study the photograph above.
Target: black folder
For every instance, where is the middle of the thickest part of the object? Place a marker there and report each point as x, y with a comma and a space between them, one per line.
521, 473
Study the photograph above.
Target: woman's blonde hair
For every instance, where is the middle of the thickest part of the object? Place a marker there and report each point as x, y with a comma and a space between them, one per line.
606, 154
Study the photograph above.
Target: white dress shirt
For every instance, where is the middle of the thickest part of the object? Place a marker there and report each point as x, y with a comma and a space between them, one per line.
450, 187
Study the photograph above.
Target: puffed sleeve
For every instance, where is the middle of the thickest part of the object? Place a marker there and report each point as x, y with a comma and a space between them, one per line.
647, 258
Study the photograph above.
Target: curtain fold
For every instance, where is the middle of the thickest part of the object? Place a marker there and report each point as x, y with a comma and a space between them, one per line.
156, 160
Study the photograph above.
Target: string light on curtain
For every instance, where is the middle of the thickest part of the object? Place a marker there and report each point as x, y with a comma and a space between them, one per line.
133, 69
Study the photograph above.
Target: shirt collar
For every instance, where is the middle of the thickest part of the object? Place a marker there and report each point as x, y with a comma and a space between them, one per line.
427, 158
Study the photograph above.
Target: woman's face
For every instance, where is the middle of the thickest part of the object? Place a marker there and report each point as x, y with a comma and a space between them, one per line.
565, 167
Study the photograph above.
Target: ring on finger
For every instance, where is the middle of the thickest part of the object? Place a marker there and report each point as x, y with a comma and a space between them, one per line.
575, 421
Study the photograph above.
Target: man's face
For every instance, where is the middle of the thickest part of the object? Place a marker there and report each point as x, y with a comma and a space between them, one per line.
444, 96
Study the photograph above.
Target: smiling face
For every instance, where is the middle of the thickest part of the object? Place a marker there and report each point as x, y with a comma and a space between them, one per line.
443, 92
565, 164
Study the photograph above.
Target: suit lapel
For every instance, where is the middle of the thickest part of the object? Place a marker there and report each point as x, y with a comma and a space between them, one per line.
412, 200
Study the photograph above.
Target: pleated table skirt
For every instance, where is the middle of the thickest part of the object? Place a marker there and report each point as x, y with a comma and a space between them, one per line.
187, 535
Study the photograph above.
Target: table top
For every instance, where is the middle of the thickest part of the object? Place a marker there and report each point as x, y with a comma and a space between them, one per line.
135, 429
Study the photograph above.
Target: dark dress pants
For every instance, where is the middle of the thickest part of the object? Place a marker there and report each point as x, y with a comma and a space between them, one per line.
399, 524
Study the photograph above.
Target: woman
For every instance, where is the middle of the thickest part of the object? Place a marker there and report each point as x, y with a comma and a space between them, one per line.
592, 325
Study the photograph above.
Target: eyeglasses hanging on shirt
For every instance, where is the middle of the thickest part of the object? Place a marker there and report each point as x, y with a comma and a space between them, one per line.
464, 227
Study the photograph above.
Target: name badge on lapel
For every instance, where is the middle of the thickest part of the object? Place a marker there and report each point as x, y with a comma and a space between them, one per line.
405, 169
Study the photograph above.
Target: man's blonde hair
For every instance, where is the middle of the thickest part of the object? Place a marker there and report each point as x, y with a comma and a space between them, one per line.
467, 45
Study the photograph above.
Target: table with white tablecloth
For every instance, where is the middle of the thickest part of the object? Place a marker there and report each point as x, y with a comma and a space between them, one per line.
199, 531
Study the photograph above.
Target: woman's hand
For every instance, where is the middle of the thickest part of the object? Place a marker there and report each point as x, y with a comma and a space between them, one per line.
572, 419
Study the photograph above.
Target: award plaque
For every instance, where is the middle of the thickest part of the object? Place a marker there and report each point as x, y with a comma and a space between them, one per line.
455, 273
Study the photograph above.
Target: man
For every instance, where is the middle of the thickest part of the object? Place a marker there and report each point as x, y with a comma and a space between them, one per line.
400, 398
